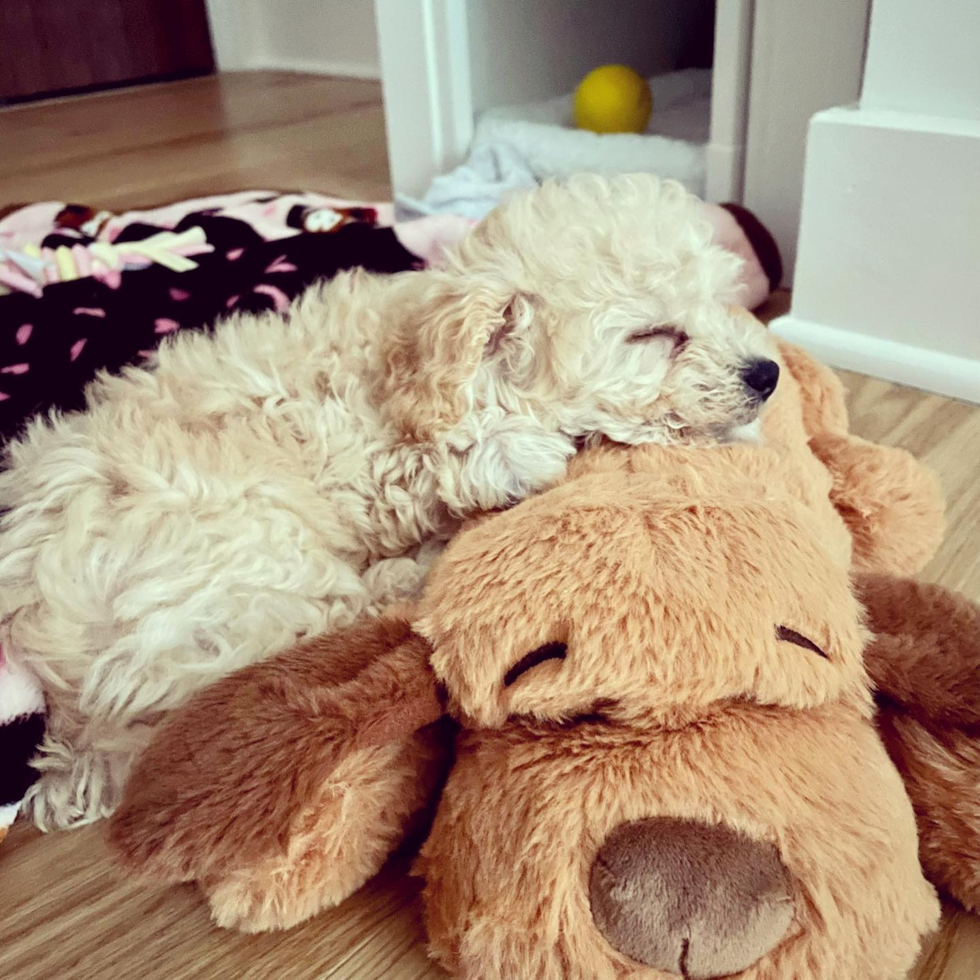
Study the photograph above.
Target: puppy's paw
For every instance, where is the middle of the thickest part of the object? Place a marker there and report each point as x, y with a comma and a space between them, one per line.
508, 463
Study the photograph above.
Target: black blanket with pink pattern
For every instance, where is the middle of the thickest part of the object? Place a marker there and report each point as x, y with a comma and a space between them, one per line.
86, 291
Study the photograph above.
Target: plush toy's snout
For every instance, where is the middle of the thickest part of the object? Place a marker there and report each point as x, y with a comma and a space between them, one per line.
688, 898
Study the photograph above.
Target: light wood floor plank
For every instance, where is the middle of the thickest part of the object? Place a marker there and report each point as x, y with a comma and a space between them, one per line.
166, 142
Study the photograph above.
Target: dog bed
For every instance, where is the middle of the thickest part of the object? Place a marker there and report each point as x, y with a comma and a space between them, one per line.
514, 147
672, 146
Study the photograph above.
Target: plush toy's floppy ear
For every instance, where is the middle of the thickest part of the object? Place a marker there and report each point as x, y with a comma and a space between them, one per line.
891, 503
925, 651
224, 779
925, 661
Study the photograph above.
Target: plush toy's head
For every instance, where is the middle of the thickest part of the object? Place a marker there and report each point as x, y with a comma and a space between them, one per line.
649, 593
659, 667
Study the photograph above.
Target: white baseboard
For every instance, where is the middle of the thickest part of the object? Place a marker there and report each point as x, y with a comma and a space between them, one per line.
341, 69
944, 374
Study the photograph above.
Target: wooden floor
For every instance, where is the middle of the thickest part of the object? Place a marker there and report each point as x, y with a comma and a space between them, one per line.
65, 913
161, 143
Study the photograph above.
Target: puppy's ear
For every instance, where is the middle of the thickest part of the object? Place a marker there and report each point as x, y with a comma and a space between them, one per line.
443, 330
223, 781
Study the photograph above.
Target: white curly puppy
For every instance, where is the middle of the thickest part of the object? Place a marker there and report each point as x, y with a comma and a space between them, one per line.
282, 475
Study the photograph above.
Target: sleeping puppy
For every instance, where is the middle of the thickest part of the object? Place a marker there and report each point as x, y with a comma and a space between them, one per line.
284, 474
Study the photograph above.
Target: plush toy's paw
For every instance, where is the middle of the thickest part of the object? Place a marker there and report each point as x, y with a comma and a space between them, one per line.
340, 841
891, 503
925, 651
224, 781
924, 660
249, 901
942, 777
220, 785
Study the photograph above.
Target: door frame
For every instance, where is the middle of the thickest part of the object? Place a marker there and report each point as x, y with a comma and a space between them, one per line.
428, 100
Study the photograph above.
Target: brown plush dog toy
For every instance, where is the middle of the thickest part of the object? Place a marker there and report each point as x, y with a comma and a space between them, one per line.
667, 760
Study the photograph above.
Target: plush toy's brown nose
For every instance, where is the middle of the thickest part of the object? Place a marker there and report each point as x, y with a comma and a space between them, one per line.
688, 898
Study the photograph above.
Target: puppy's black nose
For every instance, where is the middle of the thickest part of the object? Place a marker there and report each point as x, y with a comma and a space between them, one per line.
760, 377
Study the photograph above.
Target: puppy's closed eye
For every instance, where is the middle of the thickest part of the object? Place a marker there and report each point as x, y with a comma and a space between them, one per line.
673, 335
787, 635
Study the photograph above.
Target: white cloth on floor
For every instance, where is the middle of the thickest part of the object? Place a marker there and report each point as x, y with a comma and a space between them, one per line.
476, 187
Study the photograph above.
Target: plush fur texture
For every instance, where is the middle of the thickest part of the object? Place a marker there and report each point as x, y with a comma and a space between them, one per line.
893, 506
630, 538
668, 594
548, 798
307, 849
284, 475
630, 646
318, 868
305, 720
925, 662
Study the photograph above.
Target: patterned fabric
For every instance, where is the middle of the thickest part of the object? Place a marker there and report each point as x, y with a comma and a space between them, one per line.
53, 344
34, 268
21, 731
83, 291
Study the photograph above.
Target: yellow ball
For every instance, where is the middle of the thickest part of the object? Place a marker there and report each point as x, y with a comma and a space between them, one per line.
613, 99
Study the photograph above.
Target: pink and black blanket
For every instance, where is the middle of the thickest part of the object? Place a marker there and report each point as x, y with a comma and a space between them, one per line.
83, 291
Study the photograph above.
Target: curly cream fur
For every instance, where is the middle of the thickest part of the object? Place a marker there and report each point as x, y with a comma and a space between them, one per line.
282, 475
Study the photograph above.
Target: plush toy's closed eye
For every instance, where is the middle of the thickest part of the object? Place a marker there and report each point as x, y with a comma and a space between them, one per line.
787, 635
548, 651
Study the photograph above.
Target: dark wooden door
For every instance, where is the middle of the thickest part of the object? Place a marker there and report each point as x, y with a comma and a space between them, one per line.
49, 46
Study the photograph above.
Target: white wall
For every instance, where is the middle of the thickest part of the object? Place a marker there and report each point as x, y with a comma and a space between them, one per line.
807, 55
924, 58
235, 33
725, 153
543, 48
887, 279
899, 215
334, 37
